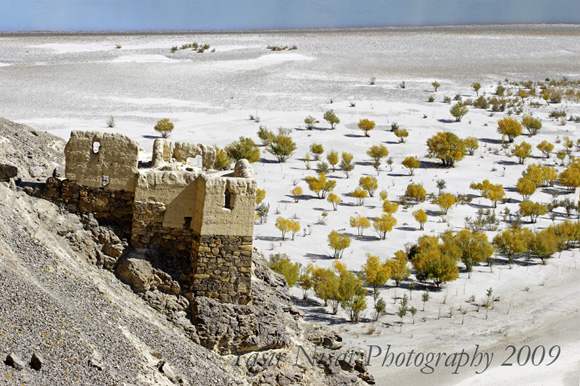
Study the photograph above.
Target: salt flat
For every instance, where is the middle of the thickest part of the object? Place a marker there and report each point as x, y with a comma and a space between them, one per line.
86, 79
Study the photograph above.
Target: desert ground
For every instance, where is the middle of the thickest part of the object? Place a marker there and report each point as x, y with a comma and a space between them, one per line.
64, 83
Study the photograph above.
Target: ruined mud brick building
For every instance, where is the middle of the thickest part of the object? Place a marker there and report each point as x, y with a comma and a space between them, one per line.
168, 205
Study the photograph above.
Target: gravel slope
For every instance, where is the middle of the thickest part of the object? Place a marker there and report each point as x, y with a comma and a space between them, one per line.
73, 314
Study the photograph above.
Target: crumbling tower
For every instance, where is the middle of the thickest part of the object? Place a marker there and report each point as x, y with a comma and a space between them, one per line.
222, 235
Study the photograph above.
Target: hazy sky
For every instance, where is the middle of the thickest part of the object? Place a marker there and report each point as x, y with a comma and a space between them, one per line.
126, 15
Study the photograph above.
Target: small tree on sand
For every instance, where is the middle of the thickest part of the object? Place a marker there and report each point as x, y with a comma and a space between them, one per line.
533, 125
415, 192
421, 217
380, 308
360, 223
476, 86
316, 149
509, 127
331, 118
360, 194
164, 126
366, 125
445, 201
401, 134
546, 148
458, 111
296, 193
282, 265
320, 185
283, 225
282, 147
334, 200
375, 274
447, 147
471, 144
522, 150
411, 163
346, 163
390, 207
532, 209
244, 148
526, 187
493, 192
384, 225
338, 242
332, 158
397, 267
310, 121
377, 153
369, 183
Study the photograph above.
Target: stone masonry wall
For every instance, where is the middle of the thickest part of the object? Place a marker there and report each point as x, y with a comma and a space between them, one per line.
110, 207
148, 231
222, 267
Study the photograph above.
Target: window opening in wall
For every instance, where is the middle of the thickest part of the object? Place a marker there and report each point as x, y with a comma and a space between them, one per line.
228, 199
186, 222
96, 147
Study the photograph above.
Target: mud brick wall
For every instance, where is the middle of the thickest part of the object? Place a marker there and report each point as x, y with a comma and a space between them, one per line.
148, 231
102, 160
222, 267
109, 207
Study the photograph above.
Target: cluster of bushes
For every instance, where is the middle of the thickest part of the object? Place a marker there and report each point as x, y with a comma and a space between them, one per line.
280, 145
339, 287
329, 116
286, 225
281, 48
194, 46
382, 225
539, 175
433, 258
516, 242
570, 177
535, 176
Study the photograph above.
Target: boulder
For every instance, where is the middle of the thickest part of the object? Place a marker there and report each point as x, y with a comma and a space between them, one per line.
113, 250
12, 360
167, 370
142, 277
137, 273
96, 360
8, 172
36, 362
324, 337
37, 171
239, 329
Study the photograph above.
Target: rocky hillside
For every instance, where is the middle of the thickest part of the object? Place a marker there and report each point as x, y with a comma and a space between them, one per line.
84, 323
78, 307
36, 153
